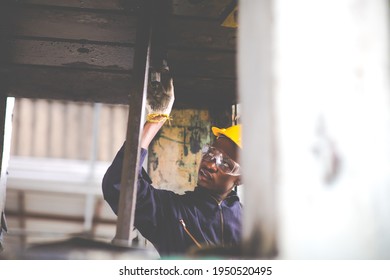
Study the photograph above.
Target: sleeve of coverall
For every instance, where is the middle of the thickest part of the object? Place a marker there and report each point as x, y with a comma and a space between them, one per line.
150, 201
112, 178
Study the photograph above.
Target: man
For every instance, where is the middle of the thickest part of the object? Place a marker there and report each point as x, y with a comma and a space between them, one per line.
208, 216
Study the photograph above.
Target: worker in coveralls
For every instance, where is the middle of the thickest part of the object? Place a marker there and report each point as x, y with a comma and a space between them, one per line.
207, 217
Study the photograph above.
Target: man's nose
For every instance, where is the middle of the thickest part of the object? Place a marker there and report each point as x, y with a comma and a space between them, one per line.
211, 164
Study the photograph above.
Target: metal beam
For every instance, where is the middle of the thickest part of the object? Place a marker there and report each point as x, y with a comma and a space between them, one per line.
128, 191
3, 100
6, 108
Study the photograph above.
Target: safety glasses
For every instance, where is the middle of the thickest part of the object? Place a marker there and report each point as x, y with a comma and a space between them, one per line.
223, 162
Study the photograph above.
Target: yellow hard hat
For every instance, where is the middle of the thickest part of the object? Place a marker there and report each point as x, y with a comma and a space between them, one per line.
232, 132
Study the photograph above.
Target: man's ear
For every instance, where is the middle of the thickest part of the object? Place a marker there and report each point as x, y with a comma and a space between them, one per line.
237, 182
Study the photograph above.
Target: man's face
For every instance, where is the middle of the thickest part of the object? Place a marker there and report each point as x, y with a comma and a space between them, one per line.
211, 177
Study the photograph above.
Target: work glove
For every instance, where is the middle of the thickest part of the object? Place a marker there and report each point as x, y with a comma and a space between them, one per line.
160, 98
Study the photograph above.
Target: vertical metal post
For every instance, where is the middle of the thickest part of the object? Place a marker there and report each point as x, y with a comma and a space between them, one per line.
6, 108
2, 188
128, 191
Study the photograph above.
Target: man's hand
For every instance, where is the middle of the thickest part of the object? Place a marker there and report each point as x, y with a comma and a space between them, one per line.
160, 99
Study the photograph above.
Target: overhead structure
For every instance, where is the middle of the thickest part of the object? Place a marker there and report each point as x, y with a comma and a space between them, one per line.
85, 50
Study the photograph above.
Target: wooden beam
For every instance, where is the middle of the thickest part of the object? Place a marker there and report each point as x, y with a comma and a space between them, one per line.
211, 64
68, 54
197, 33
66, 84
60, 23
58, 83
128, 190
98, 26
201, 92
210, 9
112, 5
79, 55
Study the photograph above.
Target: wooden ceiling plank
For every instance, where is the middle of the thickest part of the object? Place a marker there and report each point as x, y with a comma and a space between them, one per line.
46, 22
66, 84
198, 8
204, 92
202, 63
106, 87
49, 22
111, 5
106, 57
190, 33
68, 54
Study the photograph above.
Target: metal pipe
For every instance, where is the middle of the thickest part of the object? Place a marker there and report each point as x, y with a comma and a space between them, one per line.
128, 193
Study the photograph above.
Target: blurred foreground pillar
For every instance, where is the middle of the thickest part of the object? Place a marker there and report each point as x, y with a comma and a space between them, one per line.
314, 90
